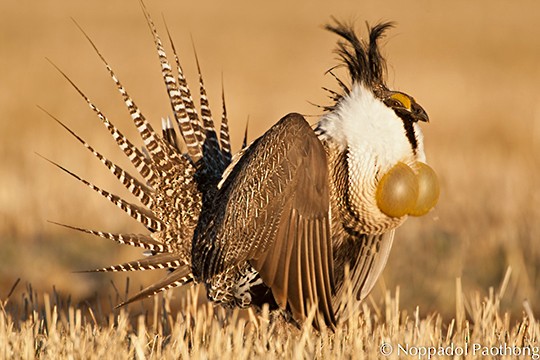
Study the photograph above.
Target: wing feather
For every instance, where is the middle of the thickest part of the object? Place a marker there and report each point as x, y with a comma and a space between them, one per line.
280, 193
365, 271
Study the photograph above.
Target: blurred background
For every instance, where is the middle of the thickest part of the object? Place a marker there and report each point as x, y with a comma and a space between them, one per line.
474, 66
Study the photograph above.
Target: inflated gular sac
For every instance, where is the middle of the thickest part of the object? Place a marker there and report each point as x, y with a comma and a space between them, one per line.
397, 191
404, 191
428, 189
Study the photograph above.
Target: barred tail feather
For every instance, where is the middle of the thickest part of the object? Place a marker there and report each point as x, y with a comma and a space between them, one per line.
137, 158
224, 136
186, 97
169, 134
153, 262
135, 187
180, 276
206, 113
136, 240
161, 153
143, 216
174, 183
245, 140
212, 151
184, 111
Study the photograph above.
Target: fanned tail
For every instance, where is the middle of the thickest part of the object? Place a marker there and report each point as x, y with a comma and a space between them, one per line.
174, 182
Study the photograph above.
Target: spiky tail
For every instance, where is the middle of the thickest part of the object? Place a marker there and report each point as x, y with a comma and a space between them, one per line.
171, 191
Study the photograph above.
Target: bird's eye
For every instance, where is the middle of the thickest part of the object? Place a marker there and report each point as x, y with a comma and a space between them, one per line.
402, 100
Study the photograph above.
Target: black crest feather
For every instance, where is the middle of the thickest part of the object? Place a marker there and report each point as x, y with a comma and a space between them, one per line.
363, 59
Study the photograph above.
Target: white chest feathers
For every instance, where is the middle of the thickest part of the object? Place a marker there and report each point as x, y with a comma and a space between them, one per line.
374, 139
364, 124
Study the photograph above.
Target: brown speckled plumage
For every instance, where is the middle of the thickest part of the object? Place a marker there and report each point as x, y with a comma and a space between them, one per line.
277, 223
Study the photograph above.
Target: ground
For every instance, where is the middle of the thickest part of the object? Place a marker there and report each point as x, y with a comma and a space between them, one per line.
472, 65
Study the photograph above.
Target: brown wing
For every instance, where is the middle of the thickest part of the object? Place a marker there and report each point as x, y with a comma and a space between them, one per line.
273, 211
366, 269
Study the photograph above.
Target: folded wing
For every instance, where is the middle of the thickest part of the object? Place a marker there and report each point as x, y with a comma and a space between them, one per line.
280, 195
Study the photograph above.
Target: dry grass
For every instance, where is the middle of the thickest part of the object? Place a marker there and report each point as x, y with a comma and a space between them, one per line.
472, 65
47, 328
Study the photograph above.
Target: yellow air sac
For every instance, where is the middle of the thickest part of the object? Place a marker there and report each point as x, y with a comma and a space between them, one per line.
402, 191
397, 191
428, 189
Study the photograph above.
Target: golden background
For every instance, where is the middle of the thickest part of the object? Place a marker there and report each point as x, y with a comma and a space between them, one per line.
473, 65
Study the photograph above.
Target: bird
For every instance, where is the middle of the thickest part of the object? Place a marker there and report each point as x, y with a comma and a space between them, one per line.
292, 217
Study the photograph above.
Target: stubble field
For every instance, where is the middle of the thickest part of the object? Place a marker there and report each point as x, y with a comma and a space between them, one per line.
467, 273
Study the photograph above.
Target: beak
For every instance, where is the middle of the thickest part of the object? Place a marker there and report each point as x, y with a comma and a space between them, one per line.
419, 113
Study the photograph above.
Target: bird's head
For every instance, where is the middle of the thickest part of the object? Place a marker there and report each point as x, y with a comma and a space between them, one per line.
378, 129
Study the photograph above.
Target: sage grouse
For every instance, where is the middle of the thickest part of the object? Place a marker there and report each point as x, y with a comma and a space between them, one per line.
280, 221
